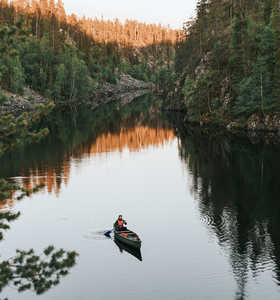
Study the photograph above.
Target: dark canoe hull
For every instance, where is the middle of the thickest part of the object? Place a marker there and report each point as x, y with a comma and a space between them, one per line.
129, 238
136, 252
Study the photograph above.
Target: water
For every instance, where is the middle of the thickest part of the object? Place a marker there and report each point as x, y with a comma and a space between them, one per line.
206, 209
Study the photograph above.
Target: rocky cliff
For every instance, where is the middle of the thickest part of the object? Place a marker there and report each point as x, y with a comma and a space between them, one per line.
126, 89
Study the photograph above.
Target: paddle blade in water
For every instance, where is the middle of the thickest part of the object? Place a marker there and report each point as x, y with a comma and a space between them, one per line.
107, 233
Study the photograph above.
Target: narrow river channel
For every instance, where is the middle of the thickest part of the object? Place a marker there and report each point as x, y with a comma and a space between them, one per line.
206, 209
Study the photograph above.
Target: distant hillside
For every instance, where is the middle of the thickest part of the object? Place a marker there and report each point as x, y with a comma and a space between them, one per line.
46, 49
70, 61
131, 33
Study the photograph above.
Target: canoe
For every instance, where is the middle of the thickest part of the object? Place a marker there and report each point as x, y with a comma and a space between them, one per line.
136, 252
128, 237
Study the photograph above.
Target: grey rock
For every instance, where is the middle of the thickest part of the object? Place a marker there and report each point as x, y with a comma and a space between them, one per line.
125, 84
17, 104
254, 123
232, 126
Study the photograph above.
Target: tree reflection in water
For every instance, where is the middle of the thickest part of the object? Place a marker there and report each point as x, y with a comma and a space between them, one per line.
113, 127
237, 188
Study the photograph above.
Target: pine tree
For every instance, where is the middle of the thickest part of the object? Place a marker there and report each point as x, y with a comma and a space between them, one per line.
275, 24
11, 71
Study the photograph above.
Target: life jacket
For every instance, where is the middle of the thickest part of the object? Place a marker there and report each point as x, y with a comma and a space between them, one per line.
120, 223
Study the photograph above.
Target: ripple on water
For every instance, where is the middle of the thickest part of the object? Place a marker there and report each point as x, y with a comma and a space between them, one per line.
218, 224
96, 235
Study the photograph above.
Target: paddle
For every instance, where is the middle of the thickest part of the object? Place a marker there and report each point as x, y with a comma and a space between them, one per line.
107, 233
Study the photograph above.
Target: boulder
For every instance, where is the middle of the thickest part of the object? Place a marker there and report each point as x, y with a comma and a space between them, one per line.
272, 122
124, 84
255, 122
17, 104
233, 125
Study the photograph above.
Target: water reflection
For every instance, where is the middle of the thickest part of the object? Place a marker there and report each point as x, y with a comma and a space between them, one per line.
134, 139
7, 203
136, 252
110, 129
234, 185
237, 189
58, 173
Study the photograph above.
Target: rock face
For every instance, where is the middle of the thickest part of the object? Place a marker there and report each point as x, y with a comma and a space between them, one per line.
126, 89
17, 104
272, 122
266, 123
125, 84
233, 126
122, 98
255, 123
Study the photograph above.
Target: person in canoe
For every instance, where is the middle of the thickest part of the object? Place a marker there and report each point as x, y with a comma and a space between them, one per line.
119, 224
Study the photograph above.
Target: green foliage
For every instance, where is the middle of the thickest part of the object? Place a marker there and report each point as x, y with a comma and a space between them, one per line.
102, 63
72, 80
11, 71
256, 89
231, 53
29, 271
237, 53
267, 11
139, 70
62, 62
148, 62
164, 79
37, 59
275, 25
189, 92
19, 131
7, 191
2, 98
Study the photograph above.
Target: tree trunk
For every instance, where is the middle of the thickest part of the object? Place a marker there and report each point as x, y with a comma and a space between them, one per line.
262, 102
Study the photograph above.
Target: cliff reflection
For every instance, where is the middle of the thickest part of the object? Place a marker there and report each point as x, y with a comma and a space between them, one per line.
50, 163
7, 203
134, 139
237, 189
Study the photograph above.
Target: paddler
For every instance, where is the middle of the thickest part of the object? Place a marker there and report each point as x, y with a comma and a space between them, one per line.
119, 224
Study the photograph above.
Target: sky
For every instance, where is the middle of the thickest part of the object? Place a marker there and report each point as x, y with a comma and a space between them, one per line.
172, 12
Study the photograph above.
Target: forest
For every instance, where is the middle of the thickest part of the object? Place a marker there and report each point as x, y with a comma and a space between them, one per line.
228, 64
66, 59
42, 47
223, 67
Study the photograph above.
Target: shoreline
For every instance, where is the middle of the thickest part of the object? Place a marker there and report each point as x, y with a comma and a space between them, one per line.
16, 104
256, 132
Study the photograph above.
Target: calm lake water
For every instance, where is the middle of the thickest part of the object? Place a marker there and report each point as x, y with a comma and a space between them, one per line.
206, 209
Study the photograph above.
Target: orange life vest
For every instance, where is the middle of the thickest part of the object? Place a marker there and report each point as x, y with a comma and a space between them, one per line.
120, 223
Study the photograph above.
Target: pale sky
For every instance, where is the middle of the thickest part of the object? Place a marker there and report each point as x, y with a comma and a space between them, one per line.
173, 12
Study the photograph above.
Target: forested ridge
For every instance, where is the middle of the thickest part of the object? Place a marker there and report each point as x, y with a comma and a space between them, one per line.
228, 65
40, 39
67, 59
